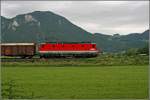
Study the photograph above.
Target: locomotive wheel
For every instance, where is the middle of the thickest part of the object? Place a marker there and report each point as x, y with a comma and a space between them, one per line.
41, 57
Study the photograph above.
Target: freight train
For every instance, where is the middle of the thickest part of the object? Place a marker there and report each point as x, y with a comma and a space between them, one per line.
51, 49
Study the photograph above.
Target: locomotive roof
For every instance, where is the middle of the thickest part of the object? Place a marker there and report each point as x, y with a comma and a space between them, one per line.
17, 44
70, 42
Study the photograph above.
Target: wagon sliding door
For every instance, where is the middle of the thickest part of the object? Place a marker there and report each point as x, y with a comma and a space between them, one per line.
20, 50
7, 51
30, 50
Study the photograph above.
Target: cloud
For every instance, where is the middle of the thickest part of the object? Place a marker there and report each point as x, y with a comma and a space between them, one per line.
107, 17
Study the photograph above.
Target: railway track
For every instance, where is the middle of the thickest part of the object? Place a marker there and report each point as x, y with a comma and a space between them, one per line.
19, 59
37, 59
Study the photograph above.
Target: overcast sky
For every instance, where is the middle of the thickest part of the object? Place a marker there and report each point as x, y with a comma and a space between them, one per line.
107, 17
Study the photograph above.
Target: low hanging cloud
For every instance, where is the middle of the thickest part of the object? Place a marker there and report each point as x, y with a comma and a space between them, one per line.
108, 17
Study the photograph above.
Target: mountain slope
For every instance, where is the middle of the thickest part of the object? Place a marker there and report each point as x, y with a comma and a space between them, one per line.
45, 26
122, 42
40, 27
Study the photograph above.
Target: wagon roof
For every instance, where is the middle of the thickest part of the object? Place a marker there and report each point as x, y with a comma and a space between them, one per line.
17, 44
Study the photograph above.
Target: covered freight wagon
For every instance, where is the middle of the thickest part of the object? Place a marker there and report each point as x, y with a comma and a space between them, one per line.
18, 49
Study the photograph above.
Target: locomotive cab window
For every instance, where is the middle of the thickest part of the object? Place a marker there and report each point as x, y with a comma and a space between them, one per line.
42, 46
93, 46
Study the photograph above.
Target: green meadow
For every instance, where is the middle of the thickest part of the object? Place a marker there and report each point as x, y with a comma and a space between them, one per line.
87, 78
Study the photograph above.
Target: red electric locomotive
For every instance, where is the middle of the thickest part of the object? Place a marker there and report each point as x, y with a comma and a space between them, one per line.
68, 49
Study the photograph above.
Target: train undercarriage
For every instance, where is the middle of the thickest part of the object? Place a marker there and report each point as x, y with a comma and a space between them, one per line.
68, 54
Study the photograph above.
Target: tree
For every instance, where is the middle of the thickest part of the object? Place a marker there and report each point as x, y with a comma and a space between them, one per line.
131, 51
144, 50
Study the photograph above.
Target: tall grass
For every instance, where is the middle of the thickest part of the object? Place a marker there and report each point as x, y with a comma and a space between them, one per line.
101, 60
